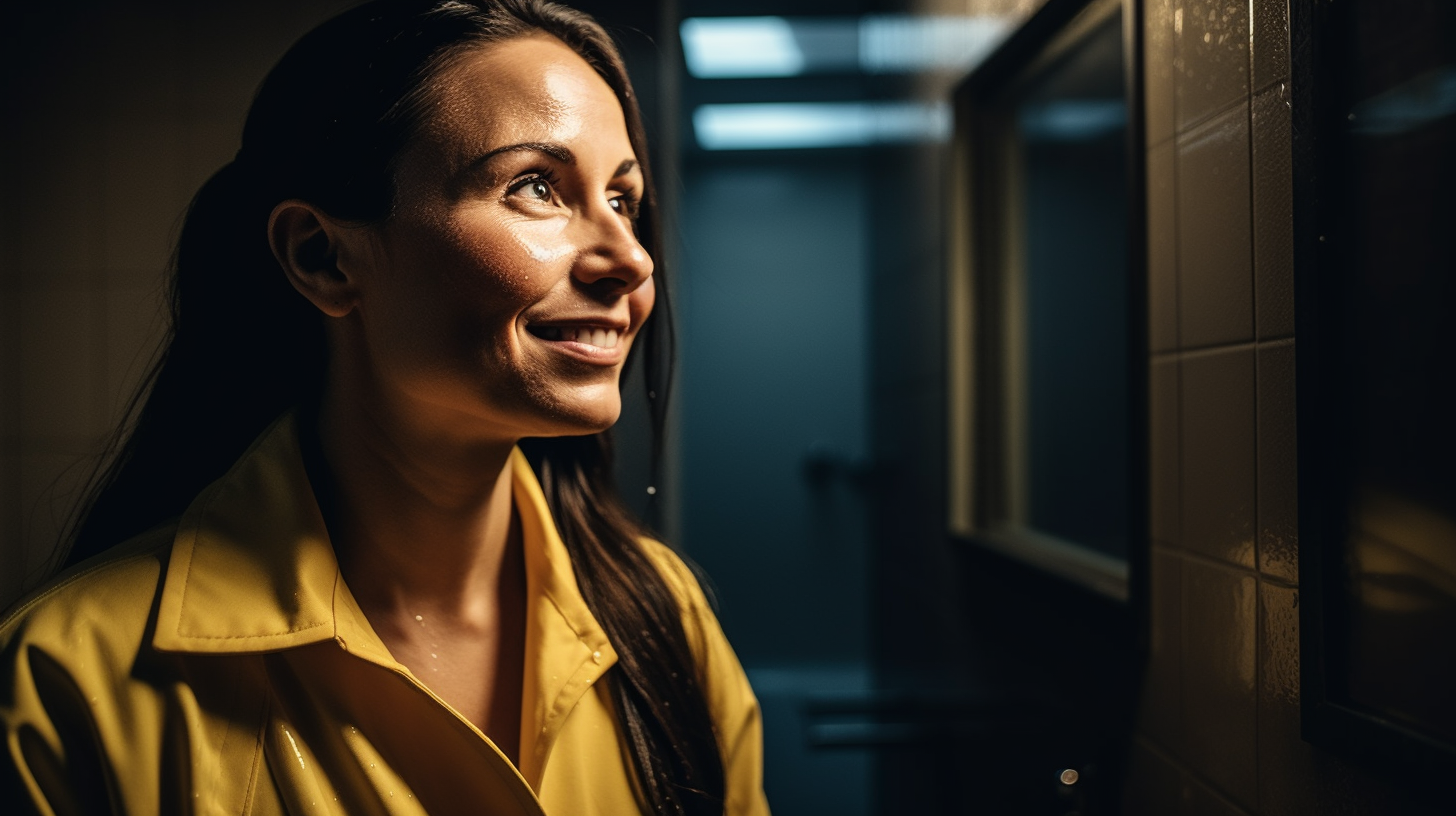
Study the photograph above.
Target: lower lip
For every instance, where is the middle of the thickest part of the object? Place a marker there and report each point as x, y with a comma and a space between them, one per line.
586, 352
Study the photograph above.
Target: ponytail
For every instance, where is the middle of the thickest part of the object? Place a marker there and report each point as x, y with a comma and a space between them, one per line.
243, 346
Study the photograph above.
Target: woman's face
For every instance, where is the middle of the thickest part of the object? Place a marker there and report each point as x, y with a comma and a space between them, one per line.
508, 284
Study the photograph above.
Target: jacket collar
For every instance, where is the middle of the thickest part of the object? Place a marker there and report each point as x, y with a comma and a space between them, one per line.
252, 570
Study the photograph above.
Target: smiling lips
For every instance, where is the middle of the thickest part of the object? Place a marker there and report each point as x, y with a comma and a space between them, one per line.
588, 335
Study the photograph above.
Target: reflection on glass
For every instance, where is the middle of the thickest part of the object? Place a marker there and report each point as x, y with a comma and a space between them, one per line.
1394, 355
1067, 321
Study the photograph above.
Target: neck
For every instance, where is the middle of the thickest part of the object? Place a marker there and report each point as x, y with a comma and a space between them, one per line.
422, 519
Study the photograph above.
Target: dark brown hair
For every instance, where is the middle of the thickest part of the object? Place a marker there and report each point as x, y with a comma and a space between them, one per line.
244, 347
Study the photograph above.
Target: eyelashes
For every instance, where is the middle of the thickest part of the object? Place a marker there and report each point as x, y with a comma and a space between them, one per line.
537, 185
628, 204
540, 187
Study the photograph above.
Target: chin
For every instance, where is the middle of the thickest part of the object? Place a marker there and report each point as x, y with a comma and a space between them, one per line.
584, 419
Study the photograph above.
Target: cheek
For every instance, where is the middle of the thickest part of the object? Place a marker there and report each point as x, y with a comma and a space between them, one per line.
641, 301
448, 290
541, 241
497, 267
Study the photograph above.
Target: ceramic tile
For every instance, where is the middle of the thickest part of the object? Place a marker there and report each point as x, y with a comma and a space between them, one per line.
50, 484
58, 230
12, 557
143, 53
11, 207
1154, 785
135, 325
227, 55
1215, 264
1200, 800
1163, 449
1218, 455
1162, 248
207, 145
1288, 780
1278, 505
1295, 777
143, 197
1273, 213
1278, 661
1161, 709
59, 393
1269, 36
1219, 683
1212, 60
9, 365
1159, 86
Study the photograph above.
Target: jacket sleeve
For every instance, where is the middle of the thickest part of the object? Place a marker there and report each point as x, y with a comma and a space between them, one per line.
52, 762
83, 735
735, 710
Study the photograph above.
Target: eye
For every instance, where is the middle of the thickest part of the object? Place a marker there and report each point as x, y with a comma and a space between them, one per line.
627, 204
538, 188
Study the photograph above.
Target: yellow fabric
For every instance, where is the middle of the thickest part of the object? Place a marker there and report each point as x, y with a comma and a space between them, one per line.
220, 665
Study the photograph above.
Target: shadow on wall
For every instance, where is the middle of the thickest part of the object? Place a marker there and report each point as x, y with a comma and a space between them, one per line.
119, 113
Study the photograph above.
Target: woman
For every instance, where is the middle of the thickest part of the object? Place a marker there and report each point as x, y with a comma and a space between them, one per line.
346, 589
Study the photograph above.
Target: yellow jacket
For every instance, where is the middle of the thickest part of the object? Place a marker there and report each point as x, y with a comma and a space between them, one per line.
220, 665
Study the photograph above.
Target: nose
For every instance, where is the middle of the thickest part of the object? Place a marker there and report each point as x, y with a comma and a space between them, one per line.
612, 257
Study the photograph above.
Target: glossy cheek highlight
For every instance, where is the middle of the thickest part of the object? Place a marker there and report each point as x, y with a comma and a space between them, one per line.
544, 241
490, 265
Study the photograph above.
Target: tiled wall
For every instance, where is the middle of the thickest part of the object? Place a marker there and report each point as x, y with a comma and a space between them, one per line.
1218, 731
118, 116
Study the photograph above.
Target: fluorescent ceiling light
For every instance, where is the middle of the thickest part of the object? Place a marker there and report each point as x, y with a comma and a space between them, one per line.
771, 126
740, 47
723, 47
897, 43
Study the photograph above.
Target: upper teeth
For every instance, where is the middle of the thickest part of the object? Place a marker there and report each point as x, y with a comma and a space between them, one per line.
601, 338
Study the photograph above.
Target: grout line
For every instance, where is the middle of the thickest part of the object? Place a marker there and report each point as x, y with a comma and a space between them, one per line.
1206, 119
1211, 561
1268, 86
1281, 341
1256, 267
1219, 348
1150, 145
1167, 755
1259, 641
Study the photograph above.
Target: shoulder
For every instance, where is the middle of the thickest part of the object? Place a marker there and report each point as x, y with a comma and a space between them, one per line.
716, 659
681, 578
736, 718
97, 603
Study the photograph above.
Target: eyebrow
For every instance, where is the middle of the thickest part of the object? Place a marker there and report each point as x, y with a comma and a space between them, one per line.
559, 152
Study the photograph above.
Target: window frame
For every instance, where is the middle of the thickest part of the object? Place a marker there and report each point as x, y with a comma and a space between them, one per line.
1326, 719
980, 252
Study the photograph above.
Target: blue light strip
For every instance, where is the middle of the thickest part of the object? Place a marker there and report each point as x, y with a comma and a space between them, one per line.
780, 126
726, 47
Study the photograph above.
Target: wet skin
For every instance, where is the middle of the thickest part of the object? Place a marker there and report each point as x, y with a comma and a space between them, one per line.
497, 302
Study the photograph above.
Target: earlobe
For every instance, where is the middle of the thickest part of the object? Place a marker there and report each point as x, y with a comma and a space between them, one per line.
306, 243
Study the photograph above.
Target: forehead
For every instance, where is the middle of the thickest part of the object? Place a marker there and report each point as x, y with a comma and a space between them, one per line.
527, 89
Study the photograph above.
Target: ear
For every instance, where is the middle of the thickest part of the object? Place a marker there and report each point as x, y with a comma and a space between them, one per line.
308, 245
